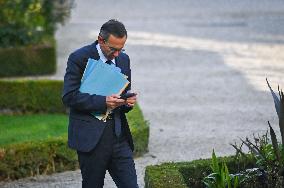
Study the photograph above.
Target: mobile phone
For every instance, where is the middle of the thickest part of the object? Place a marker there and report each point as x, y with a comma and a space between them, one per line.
127, 95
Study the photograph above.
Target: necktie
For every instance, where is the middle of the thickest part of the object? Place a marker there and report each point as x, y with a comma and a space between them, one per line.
117, 123
109, 62
117, 120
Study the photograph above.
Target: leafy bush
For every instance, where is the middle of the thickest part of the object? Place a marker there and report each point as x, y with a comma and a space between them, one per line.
31, 96
44, 96
220, 176
30, 21
43, 157
268, 152
139, 128
262, 167
38, 59
188, 174
35, 158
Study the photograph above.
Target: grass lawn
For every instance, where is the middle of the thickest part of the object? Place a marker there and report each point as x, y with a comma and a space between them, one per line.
21, 128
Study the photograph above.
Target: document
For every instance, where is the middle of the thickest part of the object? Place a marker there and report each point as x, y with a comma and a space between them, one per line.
102, 79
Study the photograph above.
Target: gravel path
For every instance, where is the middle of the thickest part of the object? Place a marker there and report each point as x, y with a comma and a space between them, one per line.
199, 68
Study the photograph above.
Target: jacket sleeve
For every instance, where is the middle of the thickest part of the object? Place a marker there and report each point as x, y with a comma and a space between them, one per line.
72, 97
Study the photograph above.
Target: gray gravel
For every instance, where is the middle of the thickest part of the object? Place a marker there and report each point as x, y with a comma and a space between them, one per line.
199, 68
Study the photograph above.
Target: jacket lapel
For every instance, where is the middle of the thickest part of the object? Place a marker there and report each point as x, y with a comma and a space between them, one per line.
119, 64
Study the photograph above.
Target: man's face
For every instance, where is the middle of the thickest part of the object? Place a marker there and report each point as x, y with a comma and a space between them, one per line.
111, 47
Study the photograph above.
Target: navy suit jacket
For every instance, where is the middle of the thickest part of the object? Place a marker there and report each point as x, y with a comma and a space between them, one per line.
84, 130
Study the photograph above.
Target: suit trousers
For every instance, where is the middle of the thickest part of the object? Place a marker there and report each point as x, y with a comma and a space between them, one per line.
112, 154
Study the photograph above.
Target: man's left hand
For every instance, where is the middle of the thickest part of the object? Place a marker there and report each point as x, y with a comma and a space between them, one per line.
131, 101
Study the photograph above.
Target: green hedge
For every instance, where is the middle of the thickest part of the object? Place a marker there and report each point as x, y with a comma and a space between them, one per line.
140, 130
34, 158
31, 96
37, 59
53, 155
187, 174
44, 96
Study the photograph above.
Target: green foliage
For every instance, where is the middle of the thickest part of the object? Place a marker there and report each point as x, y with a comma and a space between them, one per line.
166, 175
31, 96
139, 129
25, 22
188, 174
44, 96
279, 107
268, 153
35, 158
47, 153
275, 144
268, 171
43, 148
220, 176
36, 59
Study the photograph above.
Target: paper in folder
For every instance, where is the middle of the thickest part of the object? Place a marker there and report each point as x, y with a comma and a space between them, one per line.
102, 79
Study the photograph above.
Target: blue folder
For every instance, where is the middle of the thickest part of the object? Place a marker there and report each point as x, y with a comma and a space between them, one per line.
102, 79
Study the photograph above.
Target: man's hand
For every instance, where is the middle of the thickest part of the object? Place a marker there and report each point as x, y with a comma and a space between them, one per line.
131, 100
114, 101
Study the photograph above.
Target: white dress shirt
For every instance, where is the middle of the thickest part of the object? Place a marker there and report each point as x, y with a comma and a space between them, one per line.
102, 56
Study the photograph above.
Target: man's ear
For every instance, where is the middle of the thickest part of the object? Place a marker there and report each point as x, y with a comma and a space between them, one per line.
100, 40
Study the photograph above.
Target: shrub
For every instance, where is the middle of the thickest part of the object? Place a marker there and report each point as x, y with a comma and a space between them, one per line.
36, 59
220, 176
187, 174
27, 29
31, 96
30, 21
267, 152
43, 157
52, 155
139, 129
34, 158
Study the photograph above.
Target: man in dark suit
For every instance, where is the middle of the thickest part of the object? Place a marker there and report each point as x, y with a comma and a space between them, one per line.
101, 145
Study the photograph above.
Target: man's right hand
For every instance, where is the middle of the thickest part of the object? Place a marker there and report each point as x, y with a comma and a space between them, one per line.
114, 101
